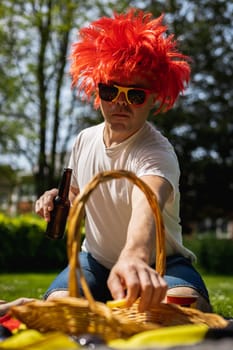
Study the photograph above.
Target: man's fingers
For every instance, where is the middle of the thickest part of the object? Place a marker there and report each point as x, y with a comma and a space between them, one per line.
44, 205
132, 281
153, 291
116, 286
133, 287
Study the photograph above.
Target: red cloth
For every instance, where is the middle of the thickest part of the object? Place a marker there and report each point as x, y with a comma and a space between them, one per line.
10, 322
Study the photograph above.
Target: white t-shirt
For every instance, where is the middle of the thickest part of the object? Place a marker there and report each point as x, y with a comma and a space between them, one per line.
108, 209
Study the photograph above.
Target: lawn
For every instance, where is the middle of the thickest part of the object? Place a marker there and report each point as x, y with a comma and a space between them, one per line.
221, 294
17, 285
31, 285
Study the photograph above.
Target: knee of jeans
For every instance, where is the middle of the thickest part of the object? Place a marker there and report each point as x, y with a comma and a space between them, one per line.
56, 293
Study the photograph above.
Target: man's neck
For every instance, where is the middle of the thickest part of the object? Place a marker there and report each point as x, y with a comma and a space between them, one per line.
112, 137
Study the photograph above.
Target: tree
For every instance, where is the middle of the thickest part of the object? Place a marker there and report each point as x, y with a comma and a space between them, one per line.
39, 113
35, 54
201, 125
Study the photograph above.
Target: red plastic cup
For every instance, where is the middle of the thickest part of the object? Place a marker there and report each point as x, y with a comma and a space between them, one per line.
182, 300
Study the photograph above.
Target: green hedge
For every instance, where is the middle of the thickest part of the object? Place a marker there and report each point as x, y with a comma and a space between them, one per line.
24, 246
213, 255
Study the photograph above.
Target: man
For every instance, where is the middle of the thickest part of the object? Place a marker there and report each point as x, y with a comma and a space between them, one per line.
131, 67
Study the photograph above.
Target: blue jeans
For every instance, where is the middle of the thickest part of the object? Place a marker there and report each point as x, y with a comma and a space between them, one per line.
179, 273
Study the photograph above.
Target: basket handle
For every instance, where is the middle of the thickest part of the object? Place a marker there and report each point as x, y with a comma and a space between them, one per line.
74, 225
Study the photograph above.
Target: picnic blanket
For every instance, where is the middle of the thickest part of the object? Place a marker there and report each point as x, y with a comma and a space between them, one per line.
187, 336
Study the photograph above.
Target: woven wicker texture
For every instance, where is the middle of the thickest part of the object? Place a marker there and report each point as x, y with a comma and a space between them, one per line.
76, 315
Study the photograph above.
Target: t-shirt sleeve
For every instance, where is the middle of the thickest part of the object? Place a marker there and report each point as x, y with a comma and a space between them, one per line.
162, 163
73, 162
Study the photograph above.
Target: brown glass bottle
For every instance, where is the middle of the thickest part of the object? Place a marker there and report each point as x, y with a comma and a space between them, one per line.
58, 216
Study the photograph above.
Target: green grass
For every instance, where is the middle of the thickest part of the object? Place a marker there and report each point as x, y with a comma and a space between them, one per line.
31, 285
221, 294
13, 286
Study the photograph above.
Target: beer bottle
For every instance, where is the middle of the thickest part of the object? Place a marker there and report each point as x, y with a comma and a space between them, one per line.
58, 216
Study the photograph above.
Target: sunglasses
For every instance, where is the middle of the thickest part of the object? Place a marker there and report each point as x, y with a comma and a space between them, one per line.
134, 96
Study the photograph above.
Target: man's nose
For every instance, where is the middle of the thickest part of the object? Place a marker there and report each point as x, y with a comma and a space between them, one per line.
121, 99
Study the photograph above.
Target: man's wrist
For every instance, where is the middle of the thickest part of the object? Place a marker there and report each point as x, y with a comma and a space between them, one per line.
135, 252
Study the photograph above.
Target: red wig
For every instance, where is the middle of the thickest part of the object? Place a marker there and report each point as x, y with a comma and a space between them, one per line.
127, 45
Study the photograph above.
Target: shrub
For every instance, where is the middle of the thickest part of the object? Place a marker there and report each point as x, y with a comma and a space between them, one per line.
25, 247
214, 255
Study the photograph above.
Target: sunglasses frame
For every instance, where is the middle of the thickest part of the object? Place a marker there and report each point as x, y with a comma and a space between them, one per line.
125, 90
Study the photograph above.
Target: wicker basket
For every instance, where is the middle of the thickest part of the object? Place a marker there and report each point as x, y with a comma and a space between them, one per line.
76, 315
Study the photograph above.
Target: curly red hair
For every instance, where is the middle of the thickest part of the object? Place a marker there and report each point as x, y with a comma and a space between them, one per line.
127, 45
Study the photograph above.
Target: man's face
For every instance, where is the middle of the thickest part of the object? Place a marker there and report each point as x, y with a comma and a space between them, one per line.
126, 110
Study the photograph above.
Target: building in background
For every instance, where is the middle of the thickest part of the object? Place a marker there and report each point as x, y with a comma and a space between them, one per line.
17, 191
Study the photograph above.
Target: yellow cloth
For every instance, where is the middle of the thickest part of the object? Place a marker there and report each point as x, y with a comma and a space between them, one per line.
163, 337
34, 340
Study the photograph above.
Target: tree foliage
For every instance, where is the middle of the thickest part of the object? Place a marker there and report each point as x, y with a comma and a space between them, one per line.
40, 114
201, 125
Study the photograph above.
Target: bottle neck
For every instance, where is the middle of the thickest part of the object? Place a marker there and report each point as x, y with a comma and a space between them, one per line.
64, 187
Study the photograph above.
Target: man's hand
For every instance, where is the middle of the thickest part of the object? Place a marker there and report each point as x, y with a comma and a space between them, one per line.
5, 306
44, 205
132, 278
